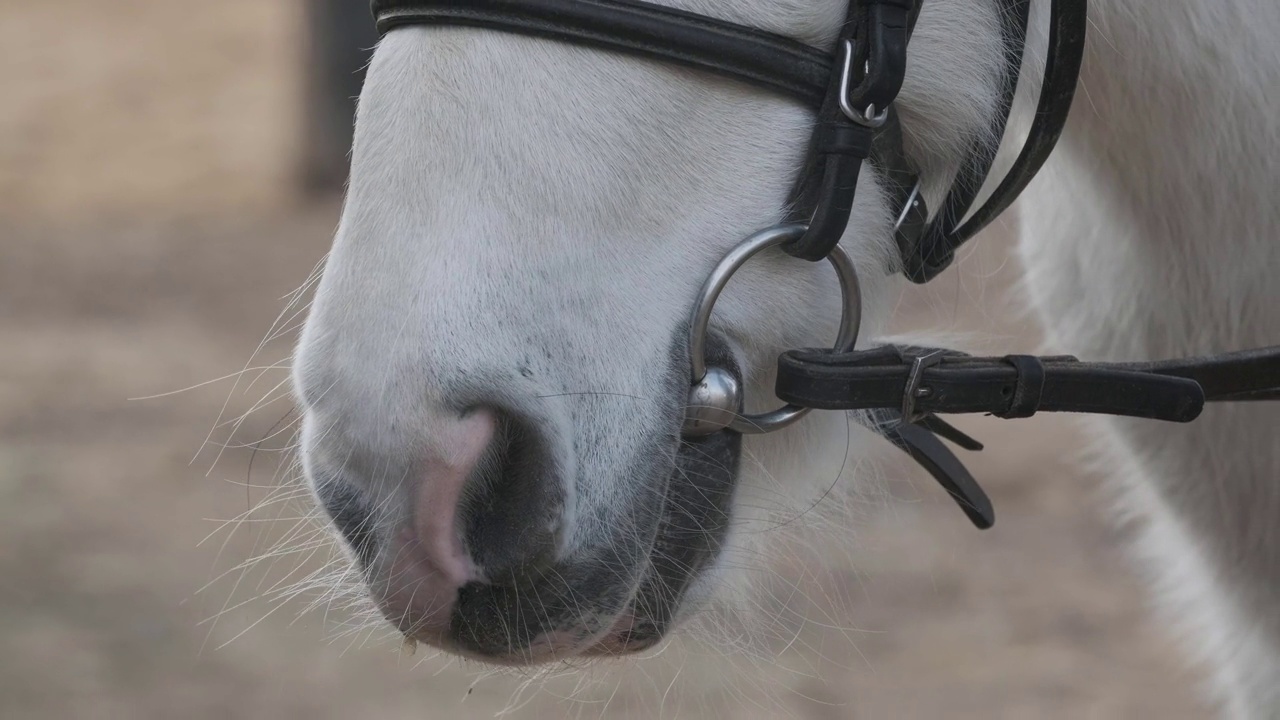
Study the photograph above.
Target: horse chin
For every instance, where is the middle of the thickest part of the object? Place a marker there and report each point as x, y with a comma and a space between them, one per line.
695, 524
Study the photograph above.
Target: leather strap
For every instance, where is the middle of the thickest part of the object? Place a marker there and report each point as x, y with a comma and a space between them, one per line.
924, 381
933, 252
1028, 386
1067, 31
876, 32
1021, 386
752, 56
1245, 376
921, 444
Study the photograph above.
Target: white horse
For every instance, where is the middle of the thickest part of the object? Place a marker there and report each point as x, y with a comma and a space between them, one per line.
493, 371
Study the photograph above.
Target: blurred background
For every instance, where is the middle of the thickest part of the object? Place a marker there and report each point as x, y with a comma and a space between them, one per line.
170, 172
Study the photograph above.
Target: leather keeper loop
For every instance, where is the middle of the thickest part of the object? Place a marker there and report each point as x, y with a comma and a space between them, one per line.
845, 139
1028, 387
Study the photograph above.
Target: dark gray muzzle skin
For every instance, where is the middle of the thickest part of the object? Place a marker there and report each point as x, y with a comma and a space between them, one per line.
670, 534
692, 534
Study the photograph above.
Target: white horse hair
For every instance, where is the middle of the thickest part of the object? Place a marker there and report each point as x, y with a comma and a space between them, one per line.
536, 217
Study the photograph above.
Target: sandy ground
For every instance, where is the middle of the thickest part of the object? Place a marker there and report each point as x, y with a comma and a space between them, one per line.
149, 234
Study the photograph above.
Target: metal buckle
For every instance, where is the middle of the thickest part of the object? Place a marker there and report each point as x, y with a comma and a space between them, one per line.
867, 118
919, 364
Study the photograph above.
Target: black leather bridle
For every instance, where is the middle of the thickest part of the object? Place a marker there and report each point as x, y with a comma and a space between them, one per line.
852, 89
856, 120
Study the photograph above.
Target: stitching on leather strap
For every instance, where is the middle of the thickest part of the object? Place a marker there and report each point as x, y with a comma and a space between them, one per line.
1028, 387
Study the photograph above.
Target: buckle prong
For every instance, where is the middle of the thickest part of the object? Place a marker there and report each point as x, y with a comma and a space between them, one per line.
913, 390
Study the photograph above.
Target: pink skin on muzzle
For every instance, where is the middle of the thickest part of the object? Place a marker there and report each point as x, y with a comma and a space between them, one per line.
430, 562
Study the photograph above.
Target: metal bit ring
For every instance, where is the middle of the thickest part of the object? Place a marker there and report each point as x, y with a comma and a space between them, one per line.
715, 397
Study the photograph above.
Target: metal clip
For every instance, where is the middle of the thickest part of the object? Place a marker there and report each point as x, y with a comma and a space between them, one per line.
867, 118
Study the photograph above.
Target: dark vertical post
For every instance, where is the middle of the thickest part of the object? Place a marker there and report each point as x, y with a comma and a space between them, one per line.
340, 39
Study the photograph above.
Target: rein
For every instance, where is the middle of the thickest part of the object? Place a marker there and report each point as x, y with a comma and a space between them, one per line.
852, 90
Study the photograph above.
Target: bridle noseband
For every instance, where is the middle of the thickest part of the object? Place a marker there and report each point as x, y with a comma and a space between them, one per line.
853, 90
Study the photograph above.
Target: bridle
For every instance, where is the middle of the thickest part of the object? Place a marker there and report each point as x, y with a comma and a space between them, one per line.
852, 92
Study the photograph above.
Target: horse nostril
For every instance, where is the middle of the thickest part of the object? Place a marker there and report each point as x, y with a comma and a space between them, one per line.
513, 507
351, 517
